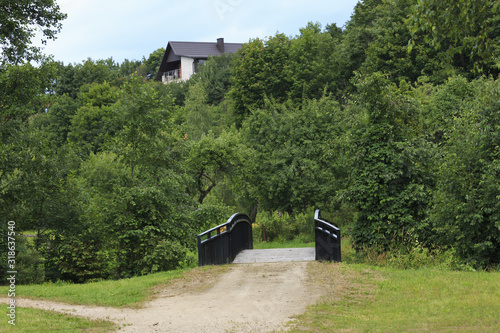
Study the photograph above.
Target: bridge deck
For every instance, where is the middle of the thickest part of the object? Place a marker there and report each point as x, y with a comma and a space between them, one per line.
275, 255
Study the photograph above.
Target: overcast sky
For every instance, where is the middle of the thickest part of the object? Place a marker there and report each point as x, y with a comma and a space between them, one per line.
131, 29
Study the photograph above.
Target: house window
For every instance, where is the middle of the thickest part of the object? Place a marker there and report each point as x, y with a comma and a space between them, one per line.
197, 63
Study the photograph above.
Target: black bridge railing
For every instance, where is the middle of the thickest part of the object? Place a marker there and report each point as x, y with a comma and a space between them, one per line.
221, 244
327, 239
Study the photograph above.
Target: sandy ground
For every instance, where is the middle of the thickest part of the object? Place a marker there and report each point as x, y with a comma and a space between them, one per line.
244, 298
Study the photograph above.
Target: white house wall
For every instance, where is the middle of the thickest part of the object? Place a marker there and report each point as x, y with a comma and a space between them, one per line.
187, 67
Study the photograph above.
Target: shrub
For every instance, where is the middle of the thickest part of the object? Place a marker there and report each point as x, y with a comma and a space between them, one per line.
270, 226
29, 262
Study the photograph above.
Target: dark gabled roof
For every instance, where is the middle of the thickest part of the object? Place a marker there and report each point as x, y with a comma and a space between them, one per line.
199, 50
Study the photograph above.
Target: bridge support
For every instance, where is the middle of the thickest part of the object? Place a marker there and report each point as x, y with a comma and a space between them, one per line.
327, 237
221, 244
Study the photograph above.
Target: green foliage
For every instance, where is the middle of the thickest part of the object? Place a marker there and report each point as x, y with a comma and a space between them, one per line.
178, 90
33, 180
461, 28
407, 258
215, 76
311, 64
72, 77
146, 137
19, 21
96, 119
391, 185
259, 72
29, 262
200, 118
294, 162
128, 225
152, 63
22, 94
282, 226
465, 212
387, 51
207, 216
80, 257
211, 160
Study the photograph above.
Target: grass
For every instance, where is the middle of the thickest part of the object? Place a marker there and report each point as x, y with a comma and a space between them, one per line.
361, 298
126, 292
282, 244
394, 300
41, 321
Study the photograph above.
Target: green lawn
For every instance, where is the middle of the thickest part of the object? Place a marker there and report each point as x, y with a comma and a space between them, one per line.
363, 298
282, 244
394, 300
40, 321
126, 292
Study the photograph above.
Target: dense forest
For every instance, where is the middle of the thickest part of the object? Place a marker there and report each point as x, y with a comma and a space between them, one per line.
391, 124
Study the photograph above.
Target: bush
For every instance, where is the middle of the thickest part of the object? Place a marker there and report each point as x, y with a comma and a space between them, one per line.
29, 262
271, 226
414, 257
207, 216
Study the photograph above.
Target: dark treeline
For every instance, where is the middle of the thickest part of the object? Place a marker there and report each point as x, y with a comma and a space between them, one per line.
391, 124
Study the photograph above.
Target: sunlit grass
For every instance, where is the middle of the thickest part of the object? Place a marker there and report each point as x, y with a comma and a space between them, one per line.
283, 244
361, 297
125, 292
395, 300
41, 321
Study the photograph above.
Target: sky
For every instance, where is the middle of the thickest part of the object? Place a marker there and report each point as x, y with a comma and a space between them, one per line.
132, 29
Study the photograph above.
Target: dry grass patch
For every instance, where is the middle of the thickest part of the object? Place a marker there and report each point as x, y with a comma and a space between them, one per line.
195, 280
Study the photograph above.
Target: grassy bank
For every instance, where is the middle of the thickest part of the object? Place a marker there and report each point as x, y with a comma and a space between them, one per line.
396, 300
126, 292
120, 293
362, 297
41, 321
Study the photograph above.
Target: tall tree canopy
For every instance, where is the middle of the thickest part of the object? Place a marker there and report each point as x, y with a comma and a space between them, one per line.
19, 21
465, 29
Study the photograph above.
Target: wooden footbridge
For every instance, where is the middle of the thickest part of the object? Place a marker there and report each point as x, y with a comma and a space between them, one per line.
232, 242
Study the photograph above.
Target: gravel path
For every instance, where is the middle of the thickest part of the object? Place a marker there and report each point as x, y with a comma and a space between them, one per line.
258, 297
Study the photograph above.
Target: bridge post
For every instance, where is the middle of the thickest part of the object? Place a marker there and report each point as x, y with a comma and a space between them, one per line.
328, 239
232, 237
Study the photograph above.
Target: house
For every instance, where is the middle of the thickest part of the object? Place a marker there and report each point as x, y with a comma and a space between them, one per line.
181, 59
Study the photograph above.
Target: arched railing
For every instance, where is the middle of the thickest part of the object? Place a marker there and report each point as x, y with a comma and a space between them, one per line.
327, 237
221, 244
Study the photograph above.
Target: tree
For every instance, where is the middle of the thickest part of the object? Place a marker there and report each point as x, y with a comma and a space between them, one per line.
72, 77
215, 76
462, 28
210, 160
23, 93
96, 119
295, 161
311, 65
32, 181
465, 213
387, 51
391, 179
145, 137
199, 117
130, 196
153, 62
259, 71
18, 21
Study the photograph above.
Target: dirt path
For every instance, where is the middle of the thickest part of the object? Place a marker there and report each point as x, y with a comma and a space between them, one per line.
245, 298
